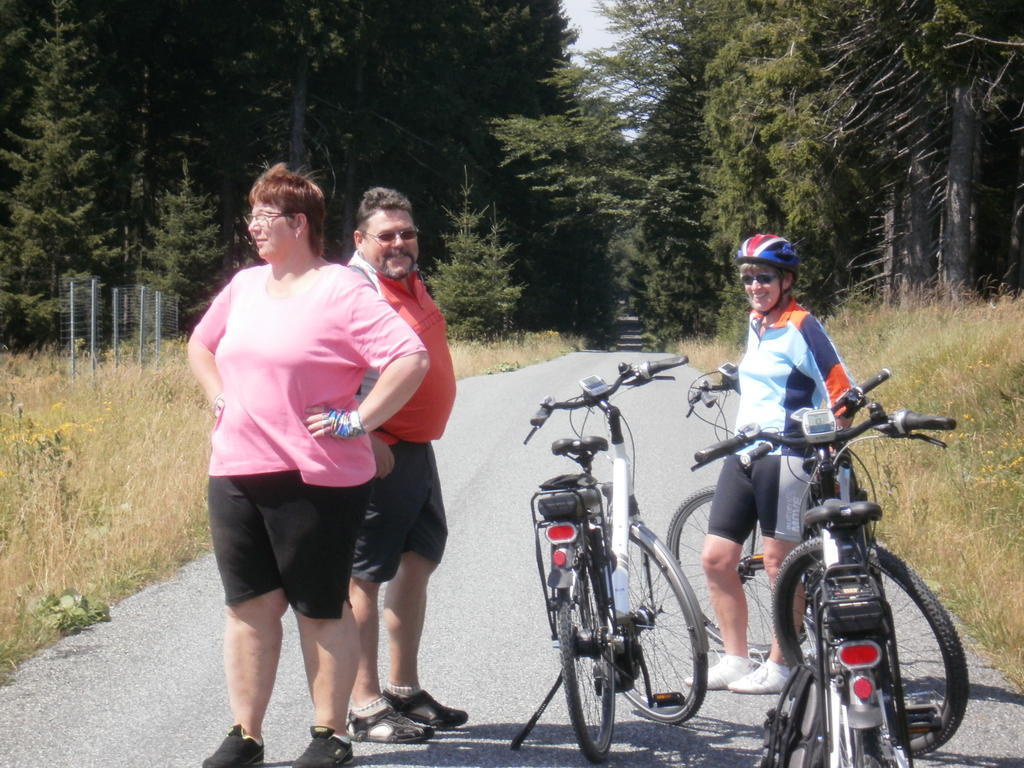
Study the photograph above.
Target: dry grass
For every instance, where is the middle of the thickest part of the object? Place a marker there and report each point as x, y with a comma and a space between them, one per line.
103, 481
957, 515
475, 358
101, 485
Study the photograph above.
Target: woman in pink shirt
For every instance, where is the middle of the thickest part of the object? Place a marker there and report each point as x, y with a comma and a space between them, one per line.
280, 353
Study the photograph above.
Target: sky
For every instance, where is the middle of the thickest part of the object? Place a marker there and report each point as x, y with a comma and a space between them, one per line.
584, 15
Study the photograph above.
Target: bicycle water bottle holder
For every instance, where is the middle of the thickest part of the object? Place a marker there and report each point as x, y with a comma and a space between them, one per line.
852, 604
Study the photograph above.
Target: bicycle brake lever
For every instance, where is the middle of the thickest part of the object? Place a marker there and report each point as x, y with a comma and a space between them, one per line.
532, 431
928, 439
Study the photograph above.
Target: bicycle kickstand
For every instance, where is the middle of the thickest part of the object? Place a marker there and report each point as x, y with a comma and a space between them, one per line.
517, 742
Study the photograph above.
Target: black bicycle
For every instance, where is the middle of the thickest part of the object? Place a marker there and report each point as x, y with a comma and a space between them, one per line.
620, 611
912, 671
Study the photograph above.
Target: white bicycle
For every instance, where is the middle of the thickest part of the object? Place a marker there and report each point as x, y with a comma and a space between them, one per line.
621, 612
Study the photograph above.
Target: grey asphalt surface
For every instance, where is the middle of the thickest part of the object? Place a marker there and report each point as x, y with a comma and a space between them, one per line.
147, 688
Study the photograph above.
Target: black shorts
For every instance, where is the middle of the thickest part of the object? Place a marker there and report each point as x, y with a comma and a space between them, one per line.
405, 514
773, 492
274, 531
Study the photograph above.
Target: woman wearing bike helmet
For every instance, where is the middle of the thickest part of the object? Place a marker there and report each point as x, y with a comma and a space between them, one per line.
790, 363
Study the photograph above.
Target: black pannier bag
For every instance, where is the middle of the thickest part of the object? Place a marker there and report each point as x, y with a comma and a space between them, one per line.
793, 732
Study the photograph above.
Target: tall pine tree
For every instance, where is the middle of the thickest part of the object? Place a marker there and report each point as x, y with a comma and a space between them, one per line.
56, 227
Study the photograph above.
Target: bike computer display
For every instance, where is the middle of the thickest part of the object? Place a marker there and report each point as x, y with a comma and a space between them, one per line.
819, 424
594, 386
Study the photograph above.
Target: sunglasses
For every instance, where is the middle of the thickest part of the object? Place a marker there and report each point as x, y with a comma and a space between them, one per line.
765, 278
387, 238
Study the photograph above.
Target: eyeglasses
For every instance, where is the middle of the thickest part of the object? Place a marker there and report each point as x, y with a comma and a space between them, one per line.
387, 238
765, 278
265, 219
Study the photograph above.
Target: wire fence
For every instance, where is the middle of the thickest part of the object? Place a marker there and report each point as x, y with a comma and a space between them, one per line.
140, 319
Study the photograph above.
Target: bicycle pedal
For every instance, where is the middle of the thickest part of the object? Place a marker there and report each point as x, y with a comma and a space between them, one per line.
673, 699
922, 718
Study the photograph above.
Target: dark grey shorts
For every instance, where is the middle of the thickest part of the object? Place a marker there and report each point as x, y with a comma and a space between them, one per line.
405, 514
274, 531
773, 492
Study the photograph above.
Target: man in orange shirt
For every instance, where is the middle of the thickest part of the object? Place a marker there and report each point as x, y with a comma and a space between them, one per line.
404, 534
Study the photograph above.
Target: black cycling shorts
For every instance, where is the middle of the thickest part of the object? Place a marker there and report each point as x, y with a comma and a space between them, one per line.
745, 497
405, 514
274, 531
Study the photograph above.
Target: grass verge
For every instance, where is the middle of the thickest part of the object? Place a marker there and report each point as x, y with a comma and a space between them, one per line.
958, 514
103, 481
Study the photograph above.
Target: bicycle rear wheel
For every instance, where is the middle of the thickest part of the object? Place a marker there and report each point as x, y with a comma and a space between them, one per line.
933, 667
667, 629
873, 748
686, 540
587, 671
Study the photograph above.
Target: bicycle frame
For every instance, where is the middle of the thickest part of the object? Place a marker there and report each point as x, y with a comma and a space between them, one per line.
623, 509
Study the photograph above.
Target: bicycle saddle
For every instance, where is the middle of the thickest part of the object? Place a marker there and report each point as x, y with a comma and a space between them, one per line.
841, 513
575, 446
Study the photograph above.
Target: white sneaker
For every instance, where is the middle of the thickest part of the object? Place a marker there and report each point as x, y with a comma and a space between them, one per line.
768, 678
728, 668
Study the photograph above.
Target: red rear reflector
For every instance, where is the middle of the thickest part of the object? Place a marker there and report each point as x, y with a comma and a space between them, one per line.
863, 688
561, 534
559, 558
859, 654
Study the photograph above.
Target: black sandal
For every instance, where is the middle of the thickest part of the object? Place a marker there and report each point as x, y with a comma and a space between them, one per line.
387, 727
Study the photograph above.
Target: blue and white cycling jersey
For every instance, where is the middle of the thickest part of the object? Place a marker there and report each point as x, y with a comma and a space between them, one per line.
793, 364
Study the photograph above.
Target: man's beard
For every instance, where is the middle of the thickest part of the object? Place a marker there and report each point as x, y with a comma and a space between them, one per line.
393, 274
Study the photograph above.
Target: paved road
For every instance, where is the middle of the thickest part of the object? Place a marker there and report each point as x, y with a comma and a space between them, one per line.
147, 689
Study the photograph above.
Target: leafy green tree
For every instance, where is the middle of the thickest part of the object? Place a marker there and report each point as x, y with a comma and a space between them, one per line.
663, 54
56, 225
185, 252
474, 285
579, 167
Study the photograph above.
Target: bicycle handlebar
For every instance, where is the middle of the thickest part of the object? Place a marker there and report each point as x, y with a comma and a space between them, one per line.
703, 391
727, 446
635, 375
906, 421
852, 400
883, 375
538, 419
651, 367
902, 423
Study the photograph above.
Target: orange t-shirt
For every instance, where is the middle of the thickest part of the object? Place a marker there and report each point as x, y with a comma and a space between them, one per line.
425, 416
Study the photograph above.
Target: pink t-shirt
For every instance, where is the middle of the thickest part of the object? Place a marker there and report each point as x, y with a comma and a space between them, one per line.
277, 357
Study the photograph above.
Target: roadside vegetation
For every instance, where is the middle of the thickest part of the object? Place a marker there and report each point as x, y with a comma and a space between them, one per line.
103, 481
958, 514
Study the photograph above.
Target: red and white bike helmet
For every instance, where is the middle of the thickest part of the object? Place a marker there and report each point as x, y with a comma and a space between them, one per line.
772, 250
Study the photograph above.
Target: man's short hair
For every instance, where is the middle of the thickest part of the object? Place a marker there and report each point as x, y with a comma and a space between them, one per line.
380, 199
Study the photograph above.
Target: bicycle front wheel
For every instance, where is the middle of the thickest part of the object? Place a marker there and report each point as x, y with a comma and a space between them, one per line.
587, 670
667, 633
933, 667
686, 541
